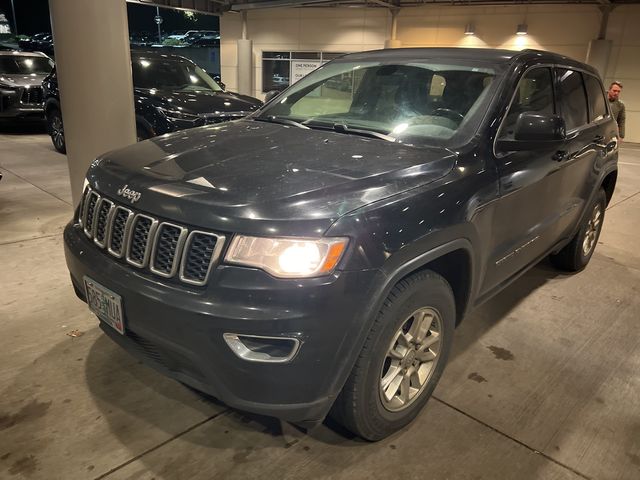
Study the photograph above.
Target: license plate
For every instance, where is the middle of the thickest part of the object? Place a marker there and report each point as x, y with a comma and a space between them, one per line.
106, 304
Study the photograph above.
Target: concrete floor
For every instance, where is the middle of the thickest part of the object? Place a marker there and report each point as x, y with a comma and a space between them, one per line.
543, 382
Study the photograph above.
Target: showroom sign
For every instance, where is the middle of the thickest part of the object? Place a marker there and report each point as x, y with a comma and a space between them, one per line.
301, 68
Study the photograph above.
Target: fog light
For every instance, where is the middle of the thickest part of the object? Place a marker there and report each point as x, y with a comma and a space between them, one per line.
256, 348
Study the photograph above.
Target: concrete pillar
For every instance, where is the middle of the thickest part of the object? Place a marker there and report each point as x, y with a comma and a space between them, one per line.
392, 44
393, 41
598, 55
245, 61
93, 62
245, 67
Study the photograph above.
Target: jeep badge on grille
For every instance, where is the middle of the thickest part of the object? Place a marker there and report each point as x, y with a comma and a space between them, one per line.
129, 194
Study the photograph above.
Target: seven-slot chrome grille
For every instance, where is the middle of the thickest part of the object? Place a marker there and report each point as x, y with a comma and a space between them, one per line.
165, 248
32, 96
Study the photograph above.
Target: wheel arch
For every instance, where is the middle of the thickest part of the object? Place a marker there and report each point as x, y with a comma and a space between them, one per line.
454, 261
609, 184
50, 105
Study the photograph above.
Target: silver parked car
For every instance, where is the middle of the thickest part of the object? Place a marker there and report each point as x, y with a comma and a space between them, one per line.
21, 75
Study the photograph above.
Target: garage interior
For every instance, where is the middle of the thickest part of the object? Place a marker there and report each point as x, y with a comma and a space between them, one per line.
543, 379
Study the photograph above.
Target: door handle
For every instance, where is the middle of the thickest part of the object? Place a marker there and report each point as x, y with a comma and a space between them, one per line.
560, 155
598, 138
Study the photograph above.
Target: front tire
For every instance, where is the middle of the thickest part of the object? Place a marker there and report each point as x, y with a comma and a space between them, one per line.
56, 130
402, 359
576, 255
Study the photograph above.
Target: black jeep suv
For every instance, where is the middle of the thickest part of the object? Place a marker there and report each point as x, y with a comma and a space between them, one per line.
316, 256
171, 93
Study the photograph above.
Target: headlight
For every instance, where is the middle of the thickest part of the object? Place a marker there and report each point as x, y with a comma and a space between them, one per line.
7, 89
177, 114
288, 257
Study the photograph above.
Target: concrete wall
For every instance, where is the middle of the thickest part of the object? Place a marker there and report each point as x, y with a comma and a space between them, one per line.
298, 29
566, 29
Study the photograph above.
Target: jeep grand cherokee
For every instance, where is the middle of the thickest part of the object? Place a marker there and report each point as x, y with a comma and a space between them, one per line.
316, 256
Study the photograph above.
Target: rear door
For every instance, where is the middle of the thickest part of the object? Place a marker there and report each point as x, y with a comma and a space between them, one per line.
582, 104
585, 147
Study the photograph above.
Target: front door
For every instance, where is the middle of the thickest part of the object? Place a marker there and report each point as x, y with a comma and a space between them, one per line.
527, 212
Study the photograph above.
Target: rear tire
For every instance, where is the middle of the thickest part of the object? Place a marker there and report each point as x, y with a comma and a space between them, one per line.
576, 255
55, 128
401, 360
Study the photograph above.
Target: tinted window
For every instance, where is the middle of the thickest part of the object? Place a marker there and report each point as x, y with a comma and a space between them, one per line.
171, 75
573, 101
597, 105
19, 64
534, 94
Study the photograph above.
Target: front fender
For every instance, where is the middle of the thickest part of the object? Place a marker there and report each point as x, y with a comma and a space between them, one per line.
384, 281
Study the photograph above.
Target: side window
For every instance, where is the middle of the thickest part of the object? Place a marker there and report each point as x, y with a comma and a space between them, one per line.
573, 100
597, 105
534, 94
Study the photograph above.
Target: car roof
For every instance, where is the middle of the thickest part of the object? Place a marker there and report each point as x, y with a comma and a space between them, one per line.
16, 53
153, 55
485, 55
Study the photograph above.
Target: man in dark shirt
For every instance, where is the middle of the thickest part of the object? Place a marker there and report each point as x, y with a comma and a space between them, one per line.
617, 107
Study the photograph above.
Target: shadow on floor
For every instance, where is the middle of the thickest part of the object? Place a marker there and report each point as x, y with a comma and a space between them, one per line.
110, 386
481, 319
23, 127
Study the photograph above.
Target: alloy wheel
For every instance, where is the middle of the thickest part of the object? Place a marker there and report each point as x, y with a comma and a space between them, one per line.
593, 227
57, 132
411, 359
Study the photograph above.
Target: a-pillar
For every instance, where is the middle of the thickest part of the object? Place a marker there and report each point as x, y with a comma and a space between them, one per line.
93, 64
245, 61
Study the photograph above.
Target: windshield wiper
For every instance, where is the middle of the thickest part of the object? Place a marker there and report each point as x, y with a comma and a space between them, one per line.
281, 121
341, 128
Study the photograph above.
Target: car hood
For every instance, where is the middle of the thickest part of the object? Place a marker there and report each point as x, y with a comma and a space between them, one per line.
21, 79
262, 178
199, 102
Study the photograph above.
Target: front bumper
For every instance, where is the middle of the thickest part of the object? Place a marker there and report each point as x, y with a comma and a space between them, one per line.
179, 329
11, 106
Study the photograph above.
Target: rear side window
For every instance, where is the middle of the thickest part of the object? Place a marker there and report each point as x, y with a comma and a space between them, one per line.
597, 105
573, 99
534, 94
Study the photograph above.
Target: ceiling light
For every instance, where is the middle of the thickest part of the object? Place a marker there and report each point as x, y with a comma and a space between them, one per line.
470, 29
522, 29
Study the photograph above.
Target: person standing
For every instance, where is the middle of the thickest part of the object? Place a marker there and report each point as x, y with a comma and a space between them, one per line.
617, 107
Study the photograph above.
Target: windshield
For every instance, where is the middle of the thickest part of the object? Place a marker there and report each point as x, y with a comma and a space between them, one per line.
166, 74
19, 64
410, 102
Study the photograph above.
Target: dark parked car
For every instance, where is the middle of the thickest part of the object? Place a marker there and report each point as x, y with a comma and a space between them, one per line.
171, 93
316, 256
142, 39
40, 42
21, 76
201, 38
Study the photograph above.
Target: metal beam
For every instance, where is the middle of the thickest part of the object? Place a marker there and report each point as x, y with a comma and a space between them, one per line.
221, 6
214, 7
383, 3
238, 7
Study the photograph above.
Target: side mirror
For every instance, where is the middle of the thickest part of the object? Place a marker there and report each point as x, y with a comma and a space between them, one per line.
534, 131
216, 78
270, 95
